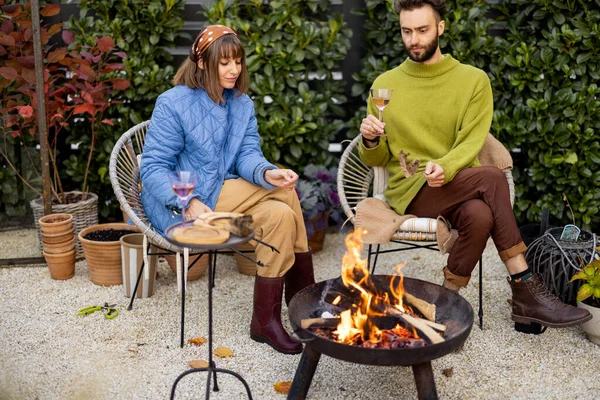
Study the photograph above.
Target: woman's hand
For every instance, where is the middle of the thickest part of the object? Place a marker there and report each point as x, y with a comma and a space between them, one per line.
283, 178
195, 208
434, 173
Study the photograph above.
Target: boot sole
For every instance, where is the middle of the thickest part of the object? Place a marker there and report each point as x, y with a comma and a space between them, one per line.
527, 320
261, 339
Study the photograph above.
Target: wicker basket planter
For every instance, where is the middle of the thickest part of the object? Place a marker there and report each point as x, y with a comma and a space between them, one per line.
104, 258
85, 213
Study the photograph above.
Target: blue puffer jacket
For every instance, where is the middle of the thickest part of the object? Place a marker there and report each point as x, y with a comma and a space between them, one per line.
189, 132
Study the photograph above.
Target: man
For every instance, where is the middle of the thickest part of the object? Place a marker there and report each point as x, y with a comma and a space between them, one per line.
440, 113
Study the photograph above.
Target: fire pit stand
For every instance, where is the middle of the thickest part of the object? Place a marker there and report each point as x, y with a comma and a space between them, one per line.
452, 310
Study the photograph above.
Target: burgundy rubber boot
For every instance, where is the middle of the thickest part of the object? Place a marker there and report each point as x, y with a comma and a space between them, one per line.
266, 316
299, 276
533, 302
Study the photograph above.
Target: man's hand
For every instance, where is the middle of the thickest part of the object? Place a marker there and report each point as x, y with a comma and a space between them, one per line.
371, 128
434, 173
195, 208
284, 178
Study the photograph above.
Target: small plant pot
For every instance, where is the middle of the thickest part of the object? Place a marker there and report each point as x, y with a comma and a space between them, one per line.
197, 270
53, 224
58, 238
104, 257
592, 327
58, 248
62, 265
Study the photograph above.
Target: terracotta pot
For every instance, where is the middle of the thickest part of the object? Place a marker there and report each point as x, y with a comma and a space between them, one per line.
58, 248
592, 327
315, 242
53, 224
244, 265
197, 270
104, 258
61, 266
58, 238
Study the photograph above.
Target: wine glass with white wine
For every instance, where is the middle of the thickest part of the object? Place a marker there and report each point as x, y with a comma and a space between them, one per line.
381, 98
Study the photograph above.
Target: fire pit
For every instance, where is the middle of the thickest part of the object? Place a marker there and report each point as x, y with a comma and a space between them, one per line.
452, 312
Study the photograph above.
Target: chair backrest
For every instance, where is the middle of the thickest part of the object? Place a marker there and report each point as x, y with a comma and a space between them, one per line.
124, 171
357, 181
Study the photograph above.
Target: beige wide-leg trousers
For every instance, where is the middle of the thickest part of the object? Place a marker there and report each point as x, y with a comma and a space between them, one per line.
277, 220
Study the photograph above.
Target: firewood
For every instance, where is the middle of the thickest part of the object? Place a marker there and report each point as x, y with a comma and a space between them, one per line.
319, 323
397, 313
427, 309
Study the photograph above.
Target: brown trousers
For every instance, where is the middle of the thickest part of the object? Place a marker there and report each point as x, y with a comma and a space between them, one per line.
277, 220
477, 204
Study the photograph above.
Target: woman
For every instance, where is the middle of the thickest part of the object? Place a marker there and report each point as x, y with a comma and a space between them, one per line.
206, 124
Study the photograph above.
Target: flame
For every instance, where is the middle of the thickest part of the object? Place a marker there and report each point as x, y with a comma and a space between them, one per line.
355, 274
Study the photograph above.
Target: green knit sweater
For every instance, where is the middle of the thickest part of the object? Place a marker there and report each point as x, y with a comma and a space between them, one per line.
439, 112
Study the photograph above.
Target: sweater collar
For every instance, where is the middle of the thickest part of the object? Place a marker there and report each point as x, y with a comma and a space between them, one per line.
428, 70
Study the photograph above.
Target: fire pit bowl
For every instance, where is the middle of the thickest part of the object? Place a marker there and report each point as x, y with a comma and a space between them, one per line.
451, 310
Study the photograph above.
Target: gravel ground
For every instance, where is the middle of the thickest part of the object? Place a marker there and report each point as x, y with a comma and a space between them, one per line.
47, 351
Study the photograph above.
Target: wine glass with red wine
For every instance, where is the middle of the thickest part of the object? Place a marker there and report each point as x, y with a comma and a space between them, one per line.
381, 98
183, 184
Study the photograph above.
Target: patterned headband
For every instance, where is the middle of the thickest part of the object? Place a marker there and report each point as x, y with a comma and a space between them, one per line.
206, 37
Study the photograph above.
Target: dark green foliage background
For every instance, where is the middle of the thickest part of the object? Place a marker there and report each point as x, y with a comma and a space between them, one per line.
284, 42
542, 57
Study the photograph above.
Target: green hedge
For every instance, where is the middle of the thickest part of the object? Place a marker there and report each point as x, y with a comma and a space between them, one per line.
285, 41
144, 31
547, 104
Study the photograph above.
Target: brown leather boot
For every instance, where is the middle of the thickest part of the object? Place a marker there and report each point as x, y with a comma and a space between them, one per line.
299, 276
266, 316
533, 302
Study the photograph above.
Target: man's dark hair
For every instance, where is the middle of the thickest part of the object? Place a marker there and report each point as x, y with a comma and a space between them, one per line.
439, 6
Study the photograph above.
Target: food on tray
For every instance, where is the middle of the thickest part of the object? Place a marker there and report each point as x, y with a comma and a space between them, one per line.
235, 223
200, 235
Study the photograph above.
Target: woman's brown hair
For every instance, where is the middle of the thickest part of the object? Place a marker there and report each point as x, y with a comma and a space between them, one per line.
207, 78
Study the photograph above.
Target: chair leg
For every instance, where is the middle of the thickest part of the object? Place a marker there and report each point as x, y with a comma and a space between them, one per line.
214, 269
376, 253
182, 301
137, 283
480, 293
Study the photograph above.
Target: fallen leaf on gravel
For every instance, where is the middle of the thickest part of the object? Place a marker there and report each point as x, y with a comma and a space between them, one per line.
197, 341
448, 372
283, 387
417, 258
198, 364
223, 352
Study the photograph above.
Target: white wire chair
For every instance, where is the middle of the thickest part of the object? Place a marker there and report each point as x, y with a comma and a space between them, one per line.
357, 181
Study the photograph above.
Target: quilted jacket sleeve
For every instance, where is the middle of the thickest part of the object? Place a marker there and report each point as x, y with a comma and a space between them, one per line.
164, 141
251, 163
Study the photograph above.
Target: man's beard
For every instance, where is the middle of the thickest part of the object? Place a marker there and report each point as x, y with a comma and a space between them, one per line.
427, 50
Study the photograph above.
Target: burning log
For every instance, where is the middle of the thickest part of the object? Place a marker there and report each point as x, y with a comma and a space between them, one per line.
319, 323
425, 308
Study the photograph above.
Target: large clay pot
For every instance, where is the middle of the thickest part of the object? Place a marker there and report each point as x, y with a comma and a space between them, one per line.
592, 327
104, 258
244, 265
196, 271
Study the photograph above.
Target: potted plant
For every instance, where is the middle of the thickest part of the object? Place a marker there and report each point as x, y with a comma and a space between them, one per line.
80, 83
317, 191
588, 297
